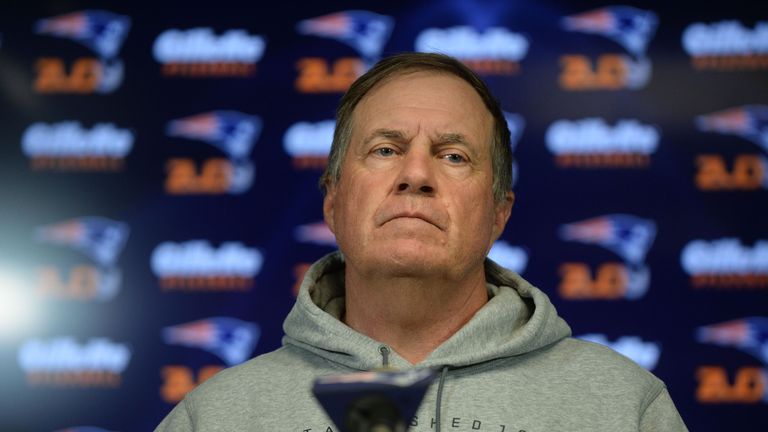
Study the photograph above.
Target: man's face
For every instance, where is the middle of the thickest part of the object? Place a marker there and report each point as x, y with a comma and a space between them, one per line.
415, 195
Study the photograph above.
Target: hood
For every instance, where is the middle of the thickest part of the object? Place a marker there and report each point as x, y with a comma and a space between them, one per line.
517, 319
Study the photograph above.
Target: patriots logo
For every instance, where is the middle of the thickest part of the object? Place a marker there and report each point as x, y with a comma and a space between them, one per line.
630, 27
232, 132
365, 31
747, 334
99, 238
101, 31
628, 236
230, 339
749, 122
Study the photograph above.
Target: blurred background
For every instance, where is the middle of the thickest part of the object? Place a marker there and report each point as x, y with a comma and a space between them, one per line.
158, 198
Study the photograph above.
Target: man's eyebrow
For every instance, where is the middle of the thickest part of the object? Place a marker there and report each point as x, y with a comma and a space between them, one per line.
400, 136
393, 134
452, 138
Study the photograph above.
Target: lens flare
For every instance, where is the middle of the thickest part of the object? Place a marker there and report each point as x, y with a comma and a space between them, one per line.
18, 309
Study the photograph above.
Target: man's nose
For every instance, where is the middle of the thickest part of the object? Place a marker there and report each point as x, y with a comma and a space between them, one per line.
417, 173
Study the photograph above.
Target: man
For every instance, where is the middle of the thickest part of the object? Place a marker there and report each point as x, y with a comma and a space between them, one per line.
417, 190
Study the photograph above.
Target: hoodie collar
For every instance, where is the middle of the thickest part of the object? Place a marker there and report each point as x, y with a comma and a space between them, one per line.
517, 319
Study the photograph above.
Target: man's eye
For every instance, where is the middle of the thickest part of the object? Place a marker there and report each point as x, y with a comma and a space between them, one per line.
384, 151
454, 158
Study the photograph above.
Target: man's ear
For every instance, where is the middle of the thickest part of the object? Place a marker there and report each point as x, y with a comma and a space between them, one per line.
328, 205
502, 212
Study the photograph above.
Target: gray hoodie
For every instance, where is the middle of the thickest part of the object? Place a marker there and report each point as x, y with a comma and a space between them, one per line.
512, 368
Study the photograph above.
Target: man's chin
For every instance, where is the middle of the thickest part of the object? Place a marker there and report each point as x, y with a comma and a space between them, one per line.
412, 262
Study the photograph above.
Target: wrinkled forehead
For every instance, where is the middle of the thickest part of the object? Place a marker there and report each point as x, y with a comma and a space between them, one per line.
424, 98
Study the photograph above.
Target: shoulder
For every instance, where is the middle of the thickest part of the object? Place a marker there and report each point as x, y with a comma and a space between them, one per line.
602, 368
273, 370
256, 394
283, 364
591, 357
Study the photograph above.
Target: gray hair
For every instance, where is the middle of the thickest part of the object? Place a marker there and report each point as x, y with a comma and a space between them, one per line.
501, 152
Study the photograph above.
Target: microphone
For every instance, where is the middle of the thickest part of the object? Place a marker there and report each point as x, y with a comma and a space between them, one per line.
377, 401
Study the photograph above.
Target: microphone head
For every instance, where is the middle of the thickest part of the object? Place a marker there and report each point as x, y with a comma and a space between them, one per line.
376, 400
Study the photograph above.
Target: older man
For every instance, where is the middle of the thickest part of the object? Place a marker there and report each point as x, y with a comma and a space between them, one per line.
417, 190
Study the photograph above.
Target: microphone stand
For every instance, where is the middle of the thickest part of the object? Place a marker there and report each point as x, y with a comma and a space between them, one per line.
374, 413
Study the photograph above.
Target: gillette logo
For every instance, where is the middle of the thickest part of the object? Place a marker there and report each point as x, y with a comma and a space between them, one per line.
508, 256
646, 354
229, 339
629, 237
750, 383
64, 362
100, 31
198, 52
496, 51
197, 266
631, 28
591, 143
308, 144
726, 263
315, 233
727, 45
233, 133
67, 146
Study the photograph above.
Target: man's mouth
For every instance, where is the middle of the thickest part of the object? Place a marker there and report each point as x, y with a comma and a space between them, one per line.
412, 215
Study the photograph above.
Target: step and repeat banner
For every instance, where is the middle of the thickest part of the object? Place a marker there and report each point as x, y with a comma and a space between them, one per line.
159, 199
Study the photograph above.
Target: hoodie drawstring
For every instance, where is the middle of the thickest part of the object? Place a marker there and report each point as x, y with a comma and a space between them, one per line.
384, 350
439, 400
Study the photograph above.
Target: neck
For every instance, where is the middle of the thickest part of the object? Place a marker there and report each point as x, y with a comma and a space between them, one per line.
412, 315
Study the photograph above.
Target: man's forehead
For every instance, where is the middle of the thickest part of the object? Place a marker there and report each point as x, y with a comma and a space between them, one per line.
401, 135
378, 109
403, 78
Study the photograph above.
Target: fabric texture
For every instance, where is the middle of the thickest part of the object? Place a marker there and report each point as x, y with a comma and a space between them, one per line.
513, 367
